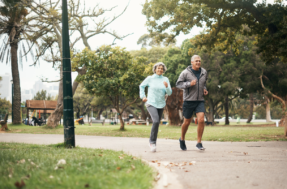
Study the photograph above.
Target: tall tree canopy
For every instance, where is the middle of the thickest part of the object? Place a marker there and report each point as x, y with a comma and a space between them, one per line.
222, 19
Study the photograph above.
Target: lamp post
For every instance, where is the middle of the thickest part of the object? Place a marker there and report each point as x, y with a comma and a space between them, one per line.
12, 98
68, 122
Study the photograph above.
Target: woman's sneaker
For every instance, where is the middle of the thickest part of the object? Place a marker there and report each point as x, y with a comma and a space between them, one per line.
199, 146
182, 144
152, 147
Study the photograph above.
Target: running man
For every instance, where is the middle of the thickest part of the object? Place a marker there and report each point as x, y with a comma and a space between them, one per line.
193, 81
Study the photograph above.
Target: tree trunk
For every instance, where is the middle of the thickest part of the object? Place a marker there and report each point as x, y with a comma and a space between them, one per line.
55, 117
210, 114
122, 122
143, 113
226, 111
165, 113
174, 106
251, 108
99, 113
16, 82
268, 112
283, 121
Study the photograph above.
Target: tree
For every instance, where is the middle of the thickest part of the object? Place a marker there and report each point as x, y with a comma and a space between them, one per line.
266, 21
112, 72
42, 95
12, 23
47, 19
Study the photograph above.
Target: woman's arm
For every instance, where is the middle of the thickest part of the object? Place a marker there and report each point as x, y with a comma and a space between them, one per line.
168, 89
142, 87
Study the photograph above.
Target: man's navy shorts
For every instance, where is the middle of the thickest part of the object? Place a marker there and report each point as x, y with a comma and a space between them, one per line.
192, 106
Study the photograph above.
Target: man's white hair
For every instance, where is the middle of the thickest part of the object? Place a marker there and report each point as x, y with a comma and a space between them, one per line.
195, 56
159, 64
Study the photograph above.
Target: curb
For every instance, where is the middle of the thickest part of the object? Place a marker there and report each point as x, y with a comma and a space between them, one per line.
165, 178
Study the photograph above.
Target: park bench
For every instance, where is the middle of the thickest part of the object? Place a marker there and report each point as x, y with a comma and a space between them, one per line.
97, 121
3, 123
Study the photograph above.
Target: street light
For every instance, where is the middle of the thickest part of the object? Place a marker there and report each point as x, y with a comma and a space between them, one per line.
68, 120
12, 98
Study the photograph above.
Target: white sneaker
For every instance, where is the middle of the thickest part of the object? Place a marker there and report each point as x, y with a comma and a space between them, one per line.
152, 147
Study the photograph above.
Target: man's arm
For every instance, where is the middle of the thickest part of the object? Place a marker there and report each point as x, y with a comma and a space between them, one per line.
182, 83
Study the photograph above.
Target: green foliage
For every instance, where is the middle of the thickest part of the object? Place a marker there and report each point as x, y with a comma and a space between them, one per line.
5, 106
260, 112
222, 20
42, 95
152, 55
37, 166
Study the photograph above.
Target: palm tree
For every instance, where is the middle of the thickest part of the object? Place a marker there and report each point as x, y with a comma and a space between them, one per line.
12, 16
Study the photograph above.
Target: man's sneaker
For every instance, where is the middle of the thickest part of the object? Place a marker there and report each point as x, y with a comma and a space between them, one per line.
152, 147
199, 146
182, 144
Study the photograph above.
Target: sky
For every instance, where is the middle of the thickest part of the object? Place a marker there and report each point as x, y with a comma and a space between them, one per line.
131, 22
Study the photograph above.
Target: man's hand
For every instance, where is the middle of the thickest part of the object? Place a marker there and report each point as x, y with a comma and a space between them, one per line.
193, 82
205, 92
144, 99
165, 84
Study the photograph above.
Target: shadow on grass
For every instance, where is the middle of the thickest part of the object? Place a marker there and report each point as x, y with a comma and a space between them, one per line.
60, 145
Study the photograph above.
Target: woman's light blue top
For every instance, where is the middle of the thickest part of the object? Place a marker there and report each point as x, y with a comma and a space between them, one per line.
156, 90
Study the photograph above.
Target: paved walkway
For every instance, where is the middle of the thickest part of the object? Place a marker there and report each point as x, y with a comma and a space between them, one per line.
222, 165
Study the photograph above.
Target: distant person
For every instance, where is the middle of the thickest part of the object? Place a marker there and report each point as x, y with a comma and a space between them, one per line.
193, 81
158, 87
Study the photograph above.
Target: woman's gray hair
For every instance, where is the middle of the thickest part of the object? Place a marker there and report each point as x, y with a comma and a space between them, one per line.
195, 56
159, 64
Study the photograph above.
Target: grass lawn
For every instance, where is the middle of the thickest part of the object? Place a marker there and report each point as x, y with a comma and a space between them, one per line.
35, 166
219, 133
244, 123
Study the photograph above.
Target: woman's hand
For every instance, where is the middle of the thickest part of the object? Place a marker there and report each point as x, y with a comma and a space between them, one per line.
165, 84
144, 99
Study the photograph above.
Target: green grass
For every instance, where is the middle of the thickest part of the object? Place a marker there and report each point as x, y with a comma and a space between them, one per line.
244, 123
96, 168
219, 133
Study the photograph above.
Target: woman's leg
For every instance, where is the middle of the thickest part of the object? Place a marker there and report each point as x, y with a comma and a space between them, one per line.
155, 116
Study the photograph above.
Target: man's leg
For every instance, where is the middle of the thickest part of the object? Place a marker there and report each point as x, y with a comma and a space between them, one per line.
184, 127
200, 129
200, 126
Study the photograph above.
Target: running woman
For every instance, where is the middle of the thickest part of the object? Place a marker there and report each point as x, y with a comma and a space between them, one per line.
158, 87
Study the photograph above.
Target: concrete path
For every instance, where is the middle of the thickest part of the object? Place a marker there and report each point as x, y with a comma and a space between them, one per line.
222, 165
